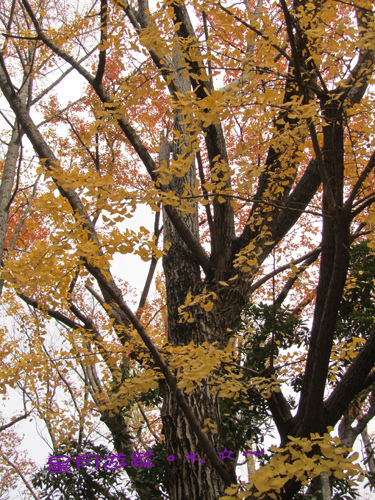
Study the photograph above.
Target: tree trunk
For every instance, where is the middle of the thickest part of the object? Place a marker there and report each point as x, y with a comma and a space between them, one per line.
195, 479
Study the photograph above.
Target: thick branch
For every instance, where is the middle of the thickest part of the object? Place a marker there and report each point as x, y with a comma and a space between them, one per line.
289, 284
223, 234
7, 181
281, 414
103, 40
349, 434
353, 381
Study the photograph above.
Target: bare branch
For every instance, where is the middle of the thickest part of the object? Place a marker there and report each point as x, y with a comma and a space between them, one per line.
257, 32
60, 79
361, 179
14, 421
21, 475
314, 253
151, 271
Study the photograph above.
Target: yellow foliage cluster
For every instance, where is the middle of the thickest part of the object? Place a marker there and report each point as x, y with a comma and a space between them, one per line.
344, 350
203, 300
301, 458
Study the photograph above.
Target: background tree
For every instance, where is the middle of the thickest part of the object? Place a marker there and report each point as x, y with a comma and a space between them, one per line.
246, 127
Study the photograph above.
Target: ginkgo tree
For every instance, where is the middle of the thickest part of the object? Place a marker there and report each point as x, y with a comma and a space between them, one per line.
246, 132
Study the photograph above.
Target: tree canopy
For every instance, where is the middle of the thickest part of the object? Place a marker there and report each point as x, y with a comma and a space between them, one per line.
245, 132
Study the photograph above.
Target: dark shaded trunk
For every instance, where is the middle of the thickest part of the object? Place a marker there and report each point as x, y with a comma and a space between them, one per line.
187, 478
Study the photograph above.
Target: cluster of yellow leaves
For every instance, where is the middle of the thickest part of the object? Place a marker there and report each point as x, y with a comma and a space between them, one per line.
247, 258
196, 364
133, 386
44, 264
291, 365
200, 365
299, 459
203, 300
74, 178
186, 201
266, 385
9, 375
140, 243
193, 366
341, 351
